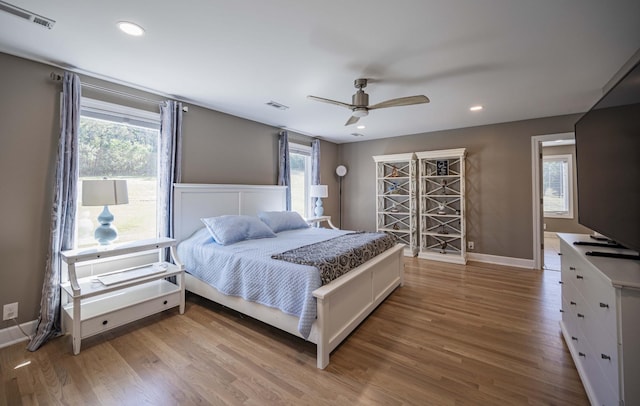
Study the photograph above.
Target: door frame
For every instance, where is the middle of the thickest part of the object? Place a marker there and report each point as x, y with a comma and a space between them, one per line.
536, 187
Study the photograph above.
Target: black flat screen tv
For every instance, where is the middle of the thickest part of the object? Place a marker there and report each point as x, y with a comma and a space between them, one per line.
608, 163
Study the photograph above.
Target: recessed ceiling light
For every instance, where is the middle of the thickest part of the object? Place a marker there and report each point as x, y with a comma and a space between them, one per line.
131, 28
361, 127
476, 108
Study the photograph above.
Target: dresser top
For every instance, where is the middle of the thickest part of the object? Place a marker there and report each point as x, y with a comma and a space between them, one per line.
623, 273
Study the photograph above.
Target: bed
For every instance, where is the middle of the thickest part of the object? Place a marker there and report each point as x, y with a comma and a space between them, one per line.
341, 305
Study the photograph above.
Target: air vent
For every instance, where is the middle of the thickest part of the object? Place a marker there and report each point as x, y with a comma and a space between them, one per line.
27, 15
357, 135
277, 105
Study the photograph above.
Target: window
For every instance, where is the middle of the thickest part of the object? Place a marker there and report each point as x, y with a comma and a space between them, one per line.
300, 158
119, 142
557, 186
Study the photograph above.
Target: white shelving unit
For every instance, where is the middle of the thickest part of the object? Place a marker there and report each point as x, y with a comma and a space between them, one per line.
396, 198
441, 179
107, 298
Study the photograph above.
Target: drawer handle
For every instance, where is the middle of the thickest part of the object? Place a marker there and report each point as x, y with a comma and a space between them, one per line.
581, 315
560, 282
605, 356
574, 338
604, 305
561, 311
579, 276
582, 354
573, 303
104, 322
165, 302
572, 268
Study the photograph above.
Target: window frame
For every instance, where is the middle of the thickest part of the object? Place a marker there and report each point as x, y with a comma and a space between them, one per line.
568, 180
121, 114
304, 150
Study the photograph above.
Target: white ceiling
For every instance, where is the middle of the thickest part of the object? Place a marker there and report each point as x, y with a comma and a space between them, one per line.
519, 59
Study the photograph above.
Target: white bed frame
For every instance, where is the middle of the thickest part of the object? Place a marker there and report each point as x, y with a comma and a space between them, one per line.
342, 304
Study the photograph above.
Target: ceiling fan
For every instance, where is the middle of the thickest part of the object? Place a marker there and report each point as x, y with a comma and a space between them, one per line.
360, 102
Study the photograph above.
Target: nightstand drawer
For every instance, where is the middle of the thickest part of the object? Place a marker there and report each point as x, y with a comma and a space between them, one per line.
126, 315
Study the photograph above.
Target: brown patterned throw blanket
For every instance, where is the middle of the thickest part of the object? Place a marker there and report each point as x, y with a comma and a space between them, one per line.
339, 255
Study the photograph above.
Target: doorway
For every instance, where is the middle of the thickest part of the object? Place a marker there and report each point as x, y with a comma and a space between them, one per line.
545, 250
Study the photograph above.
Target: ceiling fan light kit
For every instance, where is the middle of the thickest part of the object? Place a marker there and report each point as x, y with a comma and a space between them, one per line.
360, 102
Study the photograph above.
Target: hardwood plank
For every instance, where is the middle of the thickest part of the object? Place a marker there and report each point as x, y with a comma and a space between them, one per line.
453, 335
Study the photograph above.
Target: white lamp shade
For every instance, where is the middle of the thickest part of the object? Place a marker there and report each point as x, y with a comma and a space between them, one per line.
104, 192
319, 191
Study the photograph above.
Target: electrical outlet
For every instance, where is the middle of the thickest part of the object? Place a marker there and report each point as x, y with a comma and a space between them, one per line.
10, 311
470, 245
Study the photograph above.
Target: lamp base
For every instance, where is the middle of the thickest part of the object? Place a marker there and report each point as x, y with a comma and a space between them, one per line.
106, 232
319, 210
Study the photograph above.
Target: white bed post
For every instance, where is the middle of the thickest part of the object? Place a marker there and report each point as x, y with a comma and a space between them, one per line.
322, 346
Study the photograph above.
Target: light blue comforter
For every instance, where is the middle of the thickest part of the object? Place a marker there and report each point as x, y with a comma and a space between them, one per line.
246, 269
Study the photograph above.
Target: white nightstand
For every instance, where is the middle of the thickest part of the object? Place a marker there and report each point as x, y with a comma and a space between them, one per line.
320, 219
104, 298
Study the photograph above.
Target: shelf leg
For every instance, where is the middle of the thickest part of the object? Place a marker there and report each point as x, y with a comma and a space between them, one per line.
75, 330
182, 294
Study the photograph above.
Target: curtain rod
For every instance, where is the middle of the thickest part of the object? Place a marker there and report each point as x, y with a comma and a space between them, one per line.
57, 78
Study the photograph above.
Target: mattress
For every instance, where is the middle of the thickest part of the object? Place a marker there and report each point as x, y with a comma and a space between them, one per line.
246, 269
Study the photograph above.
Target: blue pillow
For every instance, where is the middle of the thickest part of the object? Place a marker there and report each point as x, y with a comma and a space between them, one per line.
231, 229
283, 220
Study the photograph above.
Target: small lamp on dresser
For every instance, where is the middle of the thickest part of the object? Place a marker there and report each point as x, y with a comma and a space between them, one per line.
319, 192
105, 192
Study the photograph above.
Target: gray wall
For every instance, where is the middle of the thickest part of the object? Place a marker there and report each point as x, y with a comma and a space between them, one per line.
218, 148
498, 179
565, 225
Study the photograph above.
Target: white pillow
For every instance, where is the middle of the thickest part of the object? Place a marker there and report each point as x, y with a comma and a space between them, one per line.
230, 229
283, 220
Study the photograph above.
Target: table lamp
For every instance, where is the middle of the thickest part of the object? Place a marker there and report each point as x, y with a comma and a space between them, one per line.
319, 191
105, 192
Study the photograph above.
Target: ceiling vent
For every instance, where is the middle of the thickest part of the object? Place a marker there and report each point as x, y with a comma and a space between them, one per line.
27, 15
277, 105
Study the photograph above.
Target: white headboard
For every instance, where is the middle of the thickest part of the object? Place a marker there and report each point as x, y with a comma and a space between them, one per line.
195, 201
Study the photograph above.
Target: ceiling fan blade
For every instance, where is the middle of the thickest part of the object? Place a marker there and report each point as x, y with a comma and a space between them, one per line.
402, 101
352, 120
337, 103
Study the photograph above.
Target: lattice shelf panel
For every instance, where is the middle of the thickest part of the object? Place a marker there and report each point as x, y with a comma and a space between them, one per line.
441, 225
441, 244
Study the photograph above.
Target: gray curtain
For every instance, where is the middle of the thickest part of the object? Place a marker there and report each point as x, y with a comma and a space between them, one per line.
63, 212
284, 170
170, 162
315, 162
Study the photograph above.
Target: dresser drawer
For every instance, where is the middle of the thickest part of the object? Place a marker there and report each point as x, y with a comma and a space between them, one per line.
126, 315
599, 380
601, 297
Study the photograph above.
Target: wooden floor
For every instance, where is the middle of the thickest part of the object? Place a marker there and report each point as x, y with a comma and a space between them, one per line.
453, 335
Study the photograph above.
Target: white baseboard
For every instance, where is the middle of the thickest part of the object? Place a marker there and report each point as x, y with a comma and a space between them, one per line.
498, 260
12, 335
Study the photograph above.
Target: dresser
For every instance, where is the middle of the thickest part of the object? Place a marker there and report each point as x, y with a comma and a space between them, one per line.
601, 320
